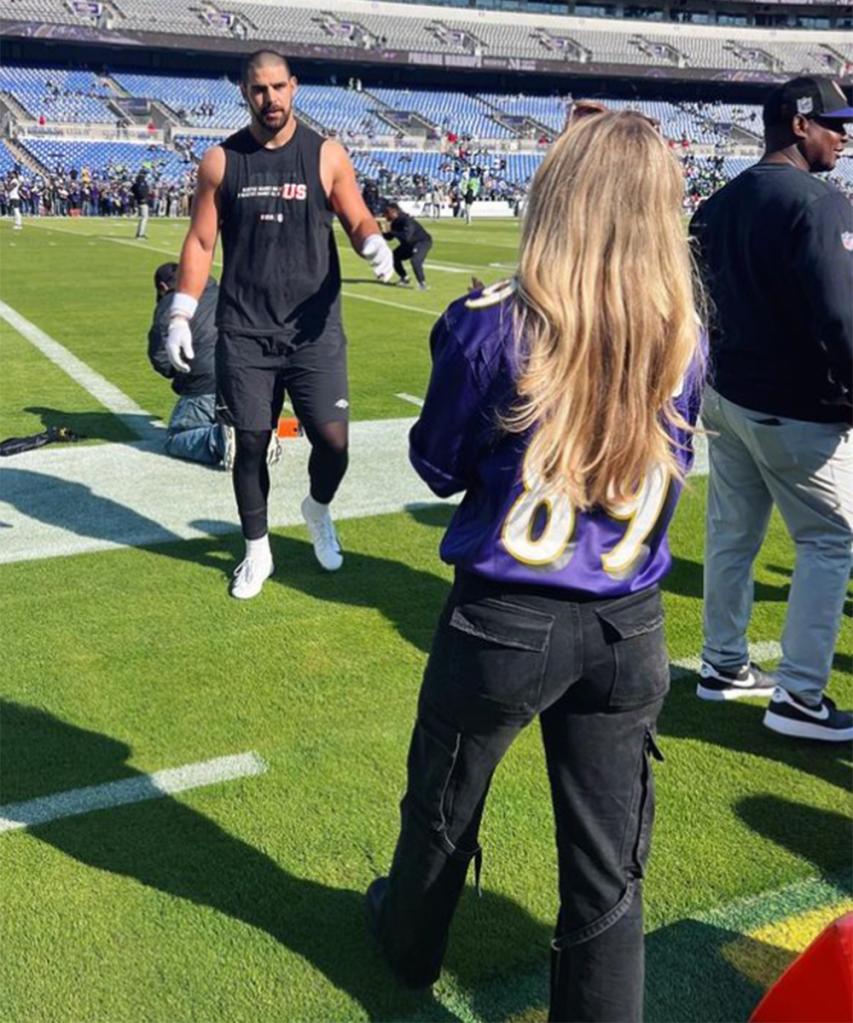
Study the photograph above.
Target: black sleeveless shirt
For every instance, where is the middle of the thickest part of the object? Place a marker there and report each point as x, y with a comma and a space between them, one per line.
280, 276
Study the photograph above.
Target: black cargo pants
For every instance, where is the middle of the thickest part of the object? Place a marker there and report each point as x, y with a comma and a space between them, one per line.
417, 254
596, 673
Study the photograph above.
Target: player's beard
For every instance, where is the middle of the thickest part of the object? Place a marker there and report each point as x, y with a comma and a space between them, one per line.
273, 126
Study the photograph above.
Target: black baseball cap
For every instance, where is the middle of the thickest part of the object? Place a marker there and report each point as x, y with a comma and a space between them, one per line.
812, 96
166, 274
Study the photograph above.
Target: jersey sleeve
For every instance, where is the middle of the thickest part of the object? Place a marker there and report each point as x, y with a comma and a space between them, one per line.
443, 442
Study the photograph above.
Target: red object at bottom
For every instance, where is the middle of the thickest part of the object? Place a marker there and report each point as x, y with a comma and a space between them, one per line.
289, 427
818, 986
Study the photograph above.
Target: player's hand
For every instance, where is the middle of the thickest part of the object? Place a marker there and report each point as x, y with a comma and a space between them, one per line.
378, 253
179, 344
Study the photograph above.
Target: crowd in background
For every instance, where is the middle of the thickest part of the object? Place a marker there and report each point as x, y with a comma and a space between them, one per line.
465, 167
96, 193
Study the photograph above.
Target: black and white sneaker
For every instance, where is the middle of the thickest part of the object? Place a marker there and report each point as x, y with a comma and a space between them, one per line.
727, 684
788, 716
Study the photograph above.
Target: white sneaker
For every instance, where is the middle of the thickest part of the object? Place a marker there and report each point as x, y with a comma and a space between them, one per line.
249, 577
327, 547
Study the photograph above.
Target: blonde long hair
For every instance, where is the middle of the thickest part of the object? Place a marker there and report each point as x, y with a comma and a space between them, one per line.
606, 314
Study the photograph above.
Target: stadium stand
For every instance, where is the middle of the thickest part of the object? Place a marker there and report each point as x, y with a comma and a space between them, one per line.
446, 111
57, 155
56, 95
185, 96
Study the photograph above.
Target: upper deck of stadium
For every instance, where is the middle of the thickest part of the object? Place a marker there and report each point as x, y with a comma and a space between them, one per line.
717, 41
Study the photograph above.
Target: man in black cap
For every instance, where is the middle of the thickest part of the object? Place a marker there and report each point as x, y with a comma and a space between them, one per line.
776, 249
141, 194
193, 433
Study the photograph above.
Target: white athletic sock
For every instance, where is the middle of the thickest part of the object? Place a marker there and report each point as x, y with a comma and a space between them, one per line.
259, 550
314, 508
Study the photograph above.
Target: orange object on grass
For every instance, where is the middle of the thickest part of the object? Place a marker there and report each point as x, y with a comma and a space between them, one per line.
818, 985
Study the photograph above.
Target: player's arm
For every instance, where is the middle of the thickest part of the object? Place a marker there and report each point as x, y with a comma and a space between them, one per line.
338, 177
196, 258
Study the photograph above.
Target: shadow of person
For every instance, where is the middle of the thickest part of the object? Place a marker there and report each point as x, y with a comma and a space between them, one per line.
738, 726
822, 837
435, 516
409, 598
95, 425
698, 972
75, 508
685, 579
171, 848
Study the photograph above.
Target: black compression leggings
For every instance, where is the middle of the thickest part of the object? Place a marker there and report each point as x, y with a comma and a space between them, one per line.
326, 468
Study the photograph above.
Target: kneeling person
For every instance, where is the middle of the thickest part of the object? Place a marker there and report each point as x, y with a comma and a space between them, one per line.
193, 433
415, 243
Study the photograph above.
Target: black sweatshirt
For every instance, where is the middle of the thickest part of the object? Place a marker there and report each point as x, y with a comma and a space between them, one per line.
775, 247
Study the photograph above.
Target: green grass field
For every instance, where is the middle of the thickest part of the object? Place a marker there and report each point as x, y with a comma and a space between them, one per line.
242, 901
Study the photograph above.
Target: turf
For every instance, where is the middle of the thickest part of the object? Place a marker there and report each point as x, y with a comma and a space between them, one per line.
242, 901
56, 400
101, 299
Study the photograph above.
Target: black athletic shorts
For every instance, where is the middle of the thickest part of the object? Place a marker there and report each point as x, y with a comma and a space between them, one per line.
253, 374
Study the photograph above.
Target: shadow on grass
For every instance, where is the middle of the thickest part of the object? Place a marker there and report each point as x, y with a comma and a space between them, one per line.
91, 425
700, 973
821, 837
171, 848
737, 726
409, 598
685, 579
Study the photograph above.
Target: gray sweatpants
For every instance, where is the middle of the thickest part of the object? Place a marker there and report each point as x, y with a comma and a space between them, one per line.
806, 470
142, 223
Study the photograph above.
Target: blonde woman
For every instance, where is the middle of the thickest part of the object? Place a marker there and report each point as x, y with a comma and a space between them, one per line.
561, 402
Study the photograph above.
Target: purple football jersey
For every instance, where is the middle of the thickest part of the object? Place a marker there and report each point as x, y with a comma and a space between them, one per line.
510, 526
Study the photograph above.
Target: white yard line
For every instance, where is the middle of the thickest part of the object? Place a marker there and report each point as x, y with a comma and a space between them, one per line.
15, 816
411, 399
132, 415
765, 651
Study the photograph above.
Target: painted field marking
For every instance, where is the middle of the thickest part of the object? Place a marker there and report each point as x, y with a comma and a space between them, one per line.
28, 814
762, 954
124, 408
765, 651
410, 398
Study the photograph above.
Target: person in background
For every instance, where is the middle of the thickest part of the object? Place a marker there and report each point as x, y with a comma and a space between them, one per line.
193, 433
570, 475
776, 250
141, 194
415, 243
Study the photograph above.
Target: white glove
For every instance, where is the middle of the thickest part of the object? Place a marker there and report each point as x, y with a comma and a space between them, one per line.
377, 252
179, 340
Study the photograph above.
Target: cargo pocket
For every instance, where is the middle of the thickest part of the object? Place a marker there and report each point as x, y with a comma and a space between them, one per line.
498, 651
432, 758
633, 631
638, 836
